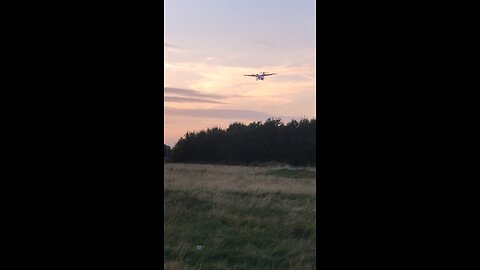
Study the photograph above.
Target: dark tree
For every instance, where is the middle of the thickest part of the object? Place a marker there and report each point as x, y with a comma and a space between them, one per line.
293, 143
167, 151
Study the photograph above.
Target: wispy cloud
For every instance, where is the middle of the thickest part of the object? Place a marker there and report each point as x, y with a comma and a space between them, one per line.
218, 113
173, 48
190, 93
190, 100
265, 43
168, 45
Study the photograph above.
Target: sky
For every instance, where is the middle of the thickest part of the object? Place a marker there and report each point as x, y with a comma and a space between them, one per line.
209, 46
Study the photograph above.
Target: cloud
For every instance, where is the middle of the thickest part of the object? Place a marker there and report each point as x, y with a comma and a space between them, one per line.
197, 94
168, 45
229, 80
277, 95
265, 43
173, 48
218, 113
190, 100
189, 93
229, 114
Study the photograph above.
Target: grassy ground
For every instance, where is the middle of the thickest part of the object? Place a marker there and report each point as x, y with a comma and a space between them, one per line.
232, 217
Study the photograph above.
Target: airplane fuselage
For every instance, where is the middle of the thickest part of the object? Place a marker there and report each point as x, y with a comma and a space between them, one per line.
260, 77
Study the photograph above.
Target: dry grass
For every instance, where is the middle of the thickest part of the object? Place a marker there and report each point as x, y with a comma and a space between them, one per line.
244, 217
233, 178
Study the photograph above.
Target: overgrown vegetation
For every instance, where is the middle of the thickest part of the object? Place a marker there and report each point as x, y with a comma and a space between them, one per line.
293, 143
230, 217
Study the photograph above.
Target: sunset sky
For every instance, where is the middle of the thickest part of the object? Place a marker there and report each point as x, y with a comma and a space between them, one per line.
211, 44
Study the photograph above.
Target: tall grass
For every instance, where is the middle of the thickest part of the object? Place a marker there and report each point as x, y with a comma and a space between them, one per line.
231, 217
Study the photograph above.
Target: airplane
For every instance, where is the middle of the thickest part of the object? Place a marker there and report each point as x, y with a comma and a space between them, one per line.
260, 76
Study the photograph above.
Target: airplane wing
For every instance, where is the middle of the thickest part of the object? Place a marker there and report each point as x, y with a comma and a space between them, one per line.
250, 75
269, 74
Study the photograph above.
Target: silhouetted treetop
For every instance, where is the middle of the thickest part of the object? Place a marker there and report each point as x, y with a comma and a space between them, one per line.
293, 143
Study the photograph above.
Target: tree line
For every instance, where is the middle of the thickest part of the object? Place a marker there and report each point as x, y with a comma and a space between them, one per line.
167, 151
293, 143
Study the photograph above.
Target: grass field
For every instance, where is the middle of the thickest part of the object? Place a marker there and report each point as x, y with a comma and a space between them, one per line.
233, 217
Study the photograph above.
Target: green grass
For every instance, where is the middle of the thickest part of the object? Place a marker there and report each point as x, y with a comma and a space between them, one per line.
290, 173
239, 230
